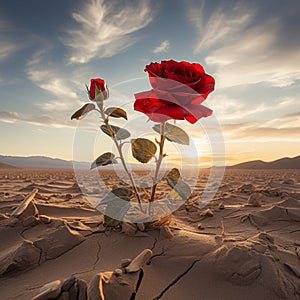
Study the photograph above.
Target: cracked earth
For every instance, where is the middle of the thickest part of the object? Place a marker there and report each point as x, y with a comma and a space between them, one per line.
245, 242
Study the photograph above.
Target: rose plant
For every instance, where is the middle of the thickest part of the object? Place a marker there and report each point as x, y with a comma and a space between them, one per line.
177, 91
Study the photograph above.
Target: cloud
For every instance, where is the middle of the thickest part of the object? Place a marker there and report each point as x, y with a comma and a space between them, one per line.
220, 25
106, 28
9, 45
291, 120
275, 130
57, 105
255, 58
245, 121
227, 108
268, 134
163, 47
63, 85
7, 49
45, 76
44, 120
247, 47
12, 40
8, 117
49, 80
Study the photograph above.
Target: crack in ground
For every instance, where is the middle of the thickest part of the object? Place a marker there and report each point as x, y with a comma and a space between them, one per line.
154, 244
162, 253
94, 232
23, 231
97, 256
141, 274
176, 280
138, 284
94, 264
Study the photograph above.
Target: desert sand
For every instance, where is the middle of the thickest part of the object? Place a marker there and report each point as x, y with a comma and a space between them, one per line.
244, 245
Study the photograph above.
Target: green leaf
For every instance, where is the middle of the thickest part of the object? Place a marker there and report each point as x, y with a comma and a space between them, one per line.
173, 134
175, 181
175, 196
116, 195
83, 111
143, 149
104, 159
116, 112
173, 176
120, 133
116, 207
122, 193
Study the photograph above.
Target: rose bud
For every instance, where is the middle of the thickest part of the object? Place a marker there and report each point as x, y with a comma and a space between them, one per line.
98, 90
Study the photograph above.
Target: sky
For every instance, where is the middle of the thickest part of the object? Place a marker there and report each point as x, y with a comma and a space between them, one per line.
49, 50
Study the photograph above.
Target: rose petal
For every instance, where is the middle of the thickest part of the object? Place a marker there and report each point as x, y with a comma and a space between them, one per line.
182, 75
165, 113
205, 88
100, 84
158, 110
195, 112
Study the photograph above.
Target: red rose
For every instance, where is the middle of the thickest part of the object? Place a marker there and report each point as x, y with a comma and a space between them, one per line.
178, 90
162, 106
98, 90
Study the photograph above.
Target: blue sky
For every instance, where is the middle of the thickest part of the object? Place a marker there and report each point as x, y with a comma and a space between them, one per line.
49, 50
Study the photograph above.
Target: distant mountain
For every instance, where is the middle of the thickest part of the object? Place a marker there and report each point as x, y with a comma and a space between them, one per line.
282, 163
6, 166
40, 162
43, 162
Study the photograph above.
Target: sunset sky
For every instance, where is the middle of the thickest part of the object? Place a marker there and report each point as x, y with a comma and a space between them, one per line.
50, 49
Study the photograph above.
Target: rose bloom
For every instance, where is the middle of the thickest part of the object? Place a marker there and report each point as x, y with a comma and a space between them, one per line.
99, 84
179, 88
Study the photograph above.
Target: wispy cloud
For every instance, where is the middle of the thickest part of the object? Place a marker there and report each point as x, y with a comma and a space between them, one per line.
7, 49
258, 58
248, 48
221, 24
8, 117
44, 120
46, 77
253, 132
291, 120
228, 109
106, 28
55, 107
257, 122
9, 43
50, 82
163, 47
268, 134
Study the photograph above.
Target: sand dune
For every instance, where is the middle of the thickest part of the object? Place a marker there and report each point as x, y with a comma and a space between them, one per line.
244, 245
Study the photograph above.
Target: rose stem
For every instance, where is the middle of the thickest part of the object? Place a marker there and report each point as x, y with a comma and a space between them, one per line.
113, 136
160, 158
